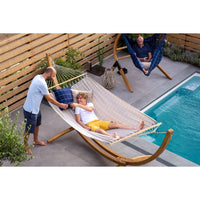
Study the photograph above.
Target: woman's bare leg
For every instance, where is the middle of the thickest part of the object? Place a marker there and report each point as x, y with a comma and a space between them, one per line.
122, 126
105, 133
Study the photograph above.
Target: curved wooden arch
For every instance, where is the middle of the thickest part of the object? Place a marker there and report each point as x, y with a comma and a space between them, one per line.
115, 49
122, 160
116, 58
110, 154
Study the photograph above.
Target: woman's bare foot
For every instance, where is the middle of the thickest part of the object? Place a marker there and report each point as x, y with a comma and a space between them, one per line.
115, 135
39, 143
141, 125
145, 71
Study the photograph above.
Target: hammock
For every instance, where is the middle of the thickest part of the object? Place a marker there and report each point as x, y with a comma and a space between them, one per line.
156, 43
129, 116
107, 107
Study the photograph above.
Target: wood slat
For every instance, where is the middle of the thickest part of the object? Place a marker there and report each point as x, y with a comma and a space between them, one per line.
13, 38
86, 41
27, 47
15, 91
93, 44
94, 58
191, 49
14, 99
16, 105
22, 41
177, 36
192, 45
95, 48
194, 35
193, 39
78, 38
31, 68
32, 53
180, 43
92, 47
20, 81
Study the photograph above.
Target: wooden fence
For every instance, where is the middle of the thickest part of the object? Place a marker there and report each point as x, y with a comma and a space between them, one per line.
21, 54
186, 41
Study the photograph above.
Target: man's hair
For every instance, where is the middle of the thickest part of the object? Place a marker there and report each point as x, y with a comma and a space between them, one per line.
140, 36
49, 70
82, 94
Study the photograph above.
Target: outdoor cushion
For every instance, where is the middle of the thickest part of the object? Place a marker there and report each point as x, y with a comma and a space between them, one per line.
64, 95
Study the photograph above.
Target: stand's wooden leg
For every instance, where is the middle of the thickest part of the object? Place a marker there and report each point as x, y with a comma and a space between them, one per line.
164, 72
60, 134
116, 64
125, 80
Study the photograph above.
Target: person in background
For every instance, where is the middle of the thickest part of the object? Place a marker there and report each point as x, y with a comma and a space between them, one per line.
143, 52
38, 88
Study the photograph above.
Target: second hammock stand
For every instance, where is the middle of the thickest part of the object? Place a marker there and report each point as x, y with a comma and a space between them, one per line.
134, 58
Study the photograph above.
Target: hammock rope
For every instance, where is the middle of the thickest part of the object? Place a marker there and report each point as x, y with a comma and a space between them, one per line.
156, 42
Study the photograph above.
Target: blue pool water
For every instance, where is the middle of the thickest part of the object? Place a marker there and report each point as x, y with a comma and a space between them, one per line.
179, 109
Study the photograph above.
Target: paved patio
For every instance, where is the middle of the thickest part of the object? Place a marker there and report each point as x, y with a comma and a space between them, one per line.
72, 150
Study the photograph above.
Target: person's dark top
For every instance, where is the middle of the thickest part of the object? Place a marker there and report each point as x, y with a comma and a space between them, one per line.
142, 52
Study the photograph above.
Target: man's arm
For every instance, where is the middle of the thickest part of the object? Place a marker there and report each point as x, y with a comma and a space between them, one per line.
53, 101
149, 57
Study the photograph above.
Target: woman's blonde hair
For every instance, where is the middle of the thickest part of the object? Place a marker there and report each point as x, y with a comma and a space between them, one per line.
82, 94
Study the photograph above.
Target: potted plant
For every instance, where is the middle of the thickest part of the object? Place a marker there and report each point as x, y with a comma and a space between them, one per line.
98, 69
12, 148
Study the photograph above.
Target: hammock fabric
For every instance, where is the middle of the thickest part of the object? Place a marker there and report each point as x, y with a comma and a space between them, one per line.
107, 107
156, 43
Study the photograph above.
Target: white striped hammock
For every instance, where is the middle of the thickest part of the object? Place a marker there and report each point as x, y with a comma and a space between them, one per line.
107, 107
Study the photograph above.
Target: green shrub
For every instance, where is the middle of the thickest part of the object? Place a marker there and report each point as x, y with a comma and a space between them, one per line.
176, 53
70, 59
12, 148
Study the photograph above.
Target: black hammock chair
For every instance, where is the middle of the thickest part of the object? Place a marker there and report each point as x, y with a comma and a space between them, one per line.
156, 43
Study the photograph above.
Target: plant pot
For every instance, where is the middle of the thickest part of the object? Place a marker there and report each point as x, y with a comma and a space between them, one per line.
97, 70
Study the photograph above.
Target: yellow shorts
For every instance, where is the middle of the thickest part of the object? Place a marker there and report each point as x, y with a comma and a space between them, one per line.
94, 125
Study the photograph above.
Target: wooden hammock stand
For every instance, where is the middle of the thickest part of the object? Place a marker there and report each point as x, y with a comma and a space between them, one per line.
116, 64
106, 151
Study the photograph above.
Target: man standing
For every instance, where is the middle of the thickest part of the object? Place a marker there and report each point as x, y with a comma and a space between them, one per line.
32, 114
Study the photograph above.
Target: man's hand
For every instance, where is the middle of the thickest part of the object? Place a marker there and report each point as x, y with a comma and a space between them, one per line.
63, 106
145, 59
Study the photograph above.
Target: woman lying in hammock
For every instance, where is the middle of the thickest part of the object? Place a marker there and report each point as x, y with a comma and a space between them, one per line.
87, 118
143, 52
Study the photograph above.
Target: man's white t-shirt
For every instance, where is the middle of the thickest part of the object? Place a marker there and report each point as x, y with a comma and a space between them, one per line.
37, 90
86, 116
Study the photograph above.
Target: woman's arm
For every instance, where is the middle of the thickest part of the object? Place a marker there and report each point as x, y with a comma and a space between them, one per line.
88, 108
78, 119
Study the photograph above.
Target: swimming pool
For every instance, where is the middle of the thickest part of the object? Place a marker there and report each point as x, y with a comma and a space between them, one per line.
179, 109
